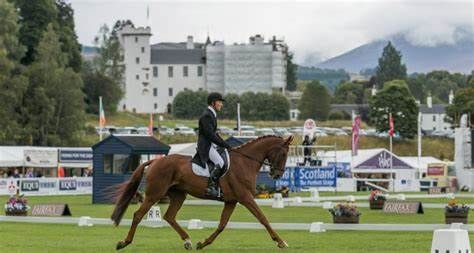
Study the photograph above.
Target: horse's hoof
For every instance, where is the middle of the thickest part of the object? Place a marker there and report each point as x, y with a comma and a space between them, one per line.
199, 245
282, 244
121, 245
188, 244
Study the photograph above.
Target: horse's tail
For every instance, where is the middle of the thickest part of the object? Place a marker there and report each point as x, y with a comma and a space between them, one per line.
126, 191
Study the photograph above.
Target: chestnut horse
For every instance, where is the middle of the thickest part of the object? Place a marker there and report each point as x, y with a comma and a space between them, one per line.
172, 176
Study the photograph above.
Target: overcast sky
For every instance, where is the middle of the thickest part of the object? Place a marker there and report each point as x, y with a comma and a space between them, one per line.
323, 28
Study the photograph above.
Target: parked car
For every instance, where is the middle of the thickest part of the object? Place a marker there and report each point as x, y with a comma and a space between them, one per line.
184, 130
143, 130
166, 131
296, 130
280, 131
264, 131
125, 130
225, 130
246, 130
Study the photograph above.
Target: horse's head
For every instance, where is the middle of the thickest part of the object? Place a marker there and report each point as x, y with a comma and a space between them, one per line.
277, 158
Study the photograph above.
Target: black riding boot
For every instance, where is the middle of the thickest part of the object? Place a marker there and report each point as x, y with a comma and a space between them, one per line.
213, 186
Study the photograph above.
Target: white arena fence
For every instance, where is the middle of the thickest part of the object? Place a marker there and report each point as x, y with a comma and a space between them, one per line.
242, 225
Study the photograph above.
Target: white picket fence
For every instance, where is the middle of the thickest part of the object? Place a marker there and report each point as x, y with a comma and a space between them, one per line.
243, 225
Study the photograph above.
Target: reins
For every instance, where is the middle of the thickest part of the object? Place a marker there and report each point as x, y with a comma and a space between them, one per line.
251, 158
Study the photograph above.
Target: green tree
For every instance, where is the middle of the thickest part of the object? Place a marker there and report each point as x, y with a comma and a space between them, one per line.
65, 28
229, 111
291, 70
12, 83
390, 66
463, 103
110, 53
97, 84
417, 84
54, 101
34, 18
315, 102
279, 107
349, 93
189, 104
395, 98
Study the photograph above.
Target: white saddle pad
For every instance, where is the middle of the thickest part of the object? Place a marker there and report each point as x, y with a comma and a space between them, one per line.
204, 172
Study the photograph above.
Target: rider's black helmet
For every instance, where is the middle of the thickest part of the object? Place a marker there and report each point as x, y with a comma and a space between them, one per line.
214, 96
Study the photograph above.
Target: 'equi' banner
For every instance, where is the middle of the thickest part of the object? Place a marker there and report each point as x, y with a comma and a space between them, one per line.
46, 186
302, 177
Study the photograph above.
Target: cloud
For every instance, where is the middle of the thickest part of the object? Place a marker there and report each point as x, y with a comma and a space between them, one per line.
320, 28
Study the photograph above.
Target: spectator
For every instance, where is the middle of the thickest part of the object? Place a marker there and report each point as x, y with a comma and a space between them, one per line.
307, 150
29, 173
16, 174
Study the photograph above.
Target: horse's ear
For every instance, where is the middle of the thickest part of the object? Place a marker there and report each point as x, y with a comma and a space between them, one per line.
289, 140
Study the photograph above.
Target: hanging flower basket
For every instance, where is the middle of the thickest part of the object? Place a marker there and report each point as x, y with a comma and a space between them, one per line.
16, 213
345, 213
345, 219
377, 200
455, 213
16, 206
455, 218
377, 204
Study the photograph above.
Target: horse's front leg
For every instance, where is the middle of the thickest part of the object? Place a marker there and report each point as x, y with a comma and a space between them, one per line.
252, 206
226, 213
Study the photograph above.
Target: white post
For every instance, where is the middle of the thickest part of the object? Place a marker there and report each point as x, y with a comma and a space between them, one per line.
391, 165
238, 118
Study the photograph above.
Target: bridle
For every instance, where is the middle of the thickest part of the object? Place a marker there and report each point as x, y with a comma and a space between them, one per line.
255, 159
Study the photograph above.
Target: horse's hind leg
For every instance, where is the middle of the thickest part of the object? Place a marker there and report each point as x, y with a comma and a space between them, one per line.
137, 217
176, 201
228, 209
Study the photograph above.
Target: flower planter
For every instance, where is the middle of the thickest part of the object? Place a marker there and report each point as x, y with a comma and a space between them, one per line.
377, 204
345, 219
16, 213
455, 218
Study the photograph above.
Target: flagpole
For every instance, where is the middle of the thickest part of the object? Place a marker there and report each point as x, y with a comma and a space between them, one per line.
100, 118
419, 145
391, 155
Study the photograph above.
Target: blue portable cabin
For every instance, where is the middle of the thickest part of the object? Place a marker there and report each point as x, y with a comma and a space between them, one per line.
116, 157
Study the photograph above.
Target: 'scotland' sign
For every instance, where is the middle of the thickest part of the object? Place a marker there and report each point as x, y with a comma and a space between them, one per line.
315, 177
302, 177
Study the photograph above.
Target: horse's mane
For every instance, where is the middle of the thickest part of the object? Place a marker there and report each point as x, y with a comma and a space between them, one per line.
257, 140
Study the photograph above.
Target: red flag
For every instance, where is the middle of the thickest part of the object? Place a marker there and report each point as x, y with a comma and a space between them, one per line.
355, 135
392, 128
150, 125
101, 114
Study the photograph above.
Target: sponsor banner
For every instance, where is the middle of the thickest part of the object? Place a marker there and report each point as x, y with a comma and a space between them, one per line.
46, 186
383, 160
75, 156
343, 169
44, 158
302, 177
29, 185
315, 177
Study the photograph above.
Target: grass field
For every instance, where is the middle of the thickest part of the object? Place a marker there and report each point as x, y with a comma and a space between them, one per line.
23, 237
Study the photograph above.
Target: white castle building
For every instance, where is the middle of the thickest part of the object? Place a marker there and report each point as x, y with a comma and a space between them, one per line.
154, 74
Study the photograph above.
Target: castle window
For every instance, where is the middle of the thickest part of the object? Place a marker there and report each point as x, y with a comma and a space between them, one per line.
155, 92
137, 60
136, 39
185, 71
170, 92
170, 71
199, 70
155, 71
143, 49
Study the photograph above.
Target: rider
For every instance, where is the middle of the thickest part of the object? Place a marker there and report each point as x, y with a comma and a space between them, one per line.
208, 141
